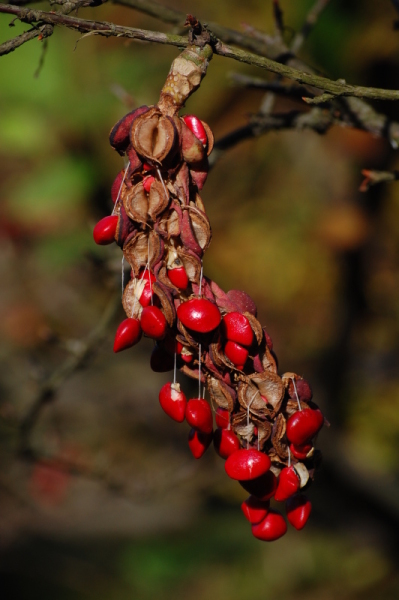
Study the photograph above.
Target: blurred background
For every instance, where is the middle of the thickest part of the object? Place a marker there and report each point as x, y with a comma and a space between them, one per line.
106, 501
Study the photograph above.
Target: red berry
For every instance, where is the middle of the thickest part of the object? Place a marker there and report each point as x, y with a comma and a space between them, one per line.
288, 484
178, 277
146, 167
127, 334
237, 328
147, 183
195, 125
226, 442
198, 442
271, 528
262, 487
247, 464
153, 322
199, 314
301, 452
186, 355
173, 401
255, 510
303, 425
222, 417
236, 353
298, 510
146, 295
199, 415
104, 231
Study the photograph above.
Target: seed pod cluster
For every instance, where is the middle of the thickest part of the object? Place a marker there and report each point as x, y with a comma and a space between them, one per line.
265, 423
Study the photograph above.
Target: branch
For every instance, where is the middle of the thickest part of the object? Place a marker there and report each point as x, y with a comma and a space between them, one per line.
336, 88
308, 25
41, 32
373, 177
49, 387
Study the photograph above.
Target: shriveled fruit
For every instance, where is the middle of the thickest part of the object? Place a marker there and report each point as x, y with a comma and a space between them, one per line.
127, 334
247, 464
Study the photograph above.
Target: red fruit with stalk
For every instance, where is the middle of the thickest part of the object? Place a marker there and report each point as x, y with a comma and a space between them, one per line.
104, 231
153, 322
199, 314
271, 528
263, 487
298, 510
255, 510
226, 442
199, 415
303, 425
195, 125
288, 484
237, 328
236, 353
222, 417
127, 334
301, 452
247, 464
198, 442
173, 401
178, 277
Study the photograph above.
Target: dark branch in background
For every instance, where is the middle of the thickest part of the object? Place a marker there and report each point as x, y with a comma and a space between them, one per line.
83, 352
373, 177
293, 91
307, 27
41, 32
336, 88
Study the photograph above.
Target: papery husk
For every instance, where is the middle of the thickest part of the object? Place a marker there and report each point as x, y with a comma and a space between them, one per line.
154, 136
136, 250
278, 433
271, 387
130, 302
221, 394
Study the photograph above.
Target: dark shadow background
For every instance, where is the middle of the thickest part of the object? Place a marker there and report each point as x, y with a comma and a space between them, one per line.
135, 516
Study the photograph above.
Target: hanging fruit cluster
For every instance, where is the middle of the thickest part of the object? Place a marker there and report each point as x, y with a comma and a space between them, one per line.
265, 424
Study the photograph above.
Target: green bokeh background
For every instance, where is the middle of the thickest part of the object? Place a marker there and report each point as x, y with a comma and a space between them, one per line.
139, 518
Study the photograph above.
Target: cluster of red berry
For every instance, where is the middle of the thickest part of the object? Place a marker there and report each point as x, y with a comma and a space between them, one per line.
265, 424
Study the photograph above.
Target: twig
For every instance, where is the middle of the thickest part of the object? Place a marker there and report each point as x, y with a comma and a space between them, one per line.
373, 177
49, 387
293, 90
336, 88
308, 25
11, 45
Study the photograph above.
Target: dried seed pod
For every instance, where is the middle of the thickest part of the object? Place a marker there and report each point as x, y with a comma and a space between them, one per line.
154, 136
119, 135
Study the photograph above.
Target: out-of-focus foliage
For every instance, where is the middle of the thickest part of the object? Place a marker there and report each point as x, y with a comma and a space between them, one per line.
138, 517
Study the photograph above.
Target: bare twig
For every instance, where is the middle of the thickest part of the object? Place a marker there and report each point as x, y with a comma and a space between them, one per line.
373, 177
40, 32
308, 25
48, 389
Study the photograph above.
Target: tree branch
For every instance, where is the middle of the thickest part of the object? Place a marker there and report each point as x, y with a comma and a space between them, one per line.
50, 386
336, 88
41, 32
